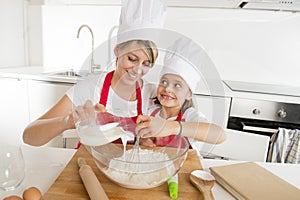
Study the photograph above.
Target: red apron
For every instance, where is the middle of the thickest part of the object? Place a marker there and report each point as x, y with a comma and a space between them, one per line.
171, 140
127, 123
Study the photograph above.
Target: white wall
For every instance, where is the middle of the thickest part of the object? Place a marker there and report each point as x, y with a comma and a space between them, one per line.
35, 35
253, 46
61, 47
12, 36
245, 45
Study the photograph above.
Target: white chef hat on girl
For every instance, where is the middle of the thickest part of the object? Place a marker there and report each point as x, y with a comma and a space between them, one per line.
138, 19
183, 59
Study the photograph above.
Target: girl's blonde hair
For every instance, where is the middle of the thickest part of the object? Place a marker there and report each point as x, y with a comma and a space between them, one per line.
187, 104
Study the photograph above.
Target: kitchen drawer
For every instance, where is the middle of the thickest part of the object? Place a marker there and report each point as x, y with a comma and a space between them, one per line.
42, 96
215, 108
14, 109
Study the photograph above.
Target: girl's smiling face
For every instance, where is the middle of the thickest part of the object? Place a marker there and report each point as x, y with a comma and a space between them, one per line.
133, 63
172, 91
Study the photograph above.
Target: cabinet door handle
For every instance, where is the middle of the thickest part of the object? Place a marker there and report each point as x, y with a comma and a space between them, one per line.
259, 129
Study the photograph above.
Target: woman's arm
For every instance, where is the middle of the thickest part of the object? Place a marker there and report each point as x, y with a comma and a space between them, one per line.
58, 119
202, 131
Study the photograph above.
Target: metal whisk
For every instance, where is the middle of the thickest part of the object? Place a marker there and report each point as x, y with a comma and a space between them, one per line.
135, 154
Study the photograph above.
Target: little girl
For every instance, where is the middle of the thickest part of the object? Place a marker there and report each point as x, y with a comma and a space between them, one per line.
174, 112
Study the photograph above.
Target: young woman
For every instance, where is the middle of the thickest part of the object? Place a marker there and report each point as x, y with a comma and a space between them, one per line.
121, 92
174, 113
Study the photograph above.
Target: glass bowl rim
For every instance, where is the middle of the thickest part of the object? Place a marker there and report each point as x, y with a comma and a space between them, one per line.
93, 150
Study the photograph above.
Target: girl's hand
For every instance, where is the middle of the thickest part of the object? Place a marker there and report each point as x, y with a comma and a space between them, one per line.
149, 142
148, 126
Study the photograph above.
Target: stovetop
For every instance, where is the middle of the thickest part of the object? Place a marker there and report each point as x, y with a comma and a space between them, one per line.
263, 88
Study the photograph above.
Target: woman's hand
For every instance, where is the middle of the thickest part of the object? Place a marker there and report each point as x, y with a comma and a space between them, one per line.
148, 126
87, 113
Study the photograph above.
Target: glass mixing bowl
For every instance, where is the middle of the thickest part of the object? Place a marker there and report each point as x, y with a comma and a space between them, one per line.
142, 168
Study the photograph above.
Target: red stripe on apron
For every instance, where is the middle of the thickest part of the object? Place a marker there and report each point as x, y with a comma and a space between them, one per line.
128, 123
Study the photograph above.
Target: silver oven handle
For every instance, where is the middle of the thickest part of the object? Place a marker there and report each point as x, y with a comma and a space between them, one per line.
259, 129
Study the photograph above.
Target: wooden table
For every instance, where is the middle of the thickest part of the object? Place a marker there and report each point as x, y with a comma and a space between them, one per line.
69, 186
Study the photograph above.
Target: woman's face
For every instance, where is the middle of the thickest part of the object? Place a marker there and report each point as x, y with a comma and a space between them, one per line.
132, 63
172, 91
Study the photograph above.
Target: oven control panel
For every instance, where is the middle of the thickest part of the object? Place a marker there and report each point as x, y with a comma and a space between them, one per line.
265, 110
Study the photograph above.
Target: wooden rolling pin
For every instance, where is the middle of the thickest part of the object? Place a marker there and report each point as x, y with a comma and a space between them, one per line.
90, 181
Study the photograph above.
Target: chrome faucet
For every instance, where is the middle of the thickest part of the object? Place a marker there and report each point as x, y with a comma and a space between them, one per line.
92, 67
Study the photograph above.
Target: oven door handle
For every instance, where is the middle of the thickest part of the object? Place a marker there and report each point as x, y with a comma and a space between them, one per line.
259, 129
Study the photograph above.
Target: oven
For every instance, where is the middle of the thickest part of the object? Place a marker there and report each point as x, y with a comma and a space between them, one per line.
262, 116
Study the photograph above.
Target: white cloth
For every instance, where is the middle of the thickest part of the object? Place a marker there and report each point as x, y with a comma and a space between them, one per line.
285, 146
183, 59
138, 17
90, 89
189, 115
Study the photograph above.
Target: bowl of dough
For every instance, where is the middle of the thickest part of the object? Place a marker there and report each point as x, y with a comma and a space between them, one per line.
141, 167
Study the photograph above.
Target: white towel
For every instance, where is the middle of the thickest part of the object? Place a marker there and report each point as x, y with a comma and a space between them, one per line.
285, 146
293, 154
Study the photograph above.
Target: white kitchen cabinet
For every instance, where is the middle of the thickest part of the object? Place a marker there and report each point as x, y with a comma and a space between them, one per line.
215, 108
42, 96
14, 115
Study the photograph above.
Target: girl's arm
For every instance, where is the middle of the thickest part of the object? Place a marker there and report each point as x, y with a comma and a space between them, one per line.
202, 131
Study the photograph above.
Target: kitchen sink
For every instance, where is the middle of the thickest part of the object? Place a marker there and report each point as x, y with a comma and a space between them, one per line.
66, 74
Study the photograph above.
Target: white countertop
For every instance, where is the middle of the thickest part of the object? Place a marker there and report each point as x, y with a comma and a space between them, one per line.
254, 95
33, 73
44, 164
38, 73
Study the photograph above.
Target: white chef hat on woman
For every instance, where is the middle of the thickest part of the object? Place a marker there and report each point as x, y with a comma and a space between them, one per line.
183, 58
139, 18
